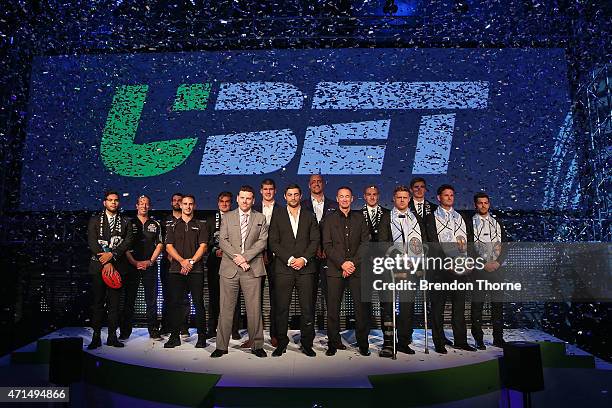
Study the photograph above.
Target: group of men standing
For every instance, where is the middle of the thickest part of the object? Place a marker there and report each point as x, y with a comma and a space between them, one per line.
307, 243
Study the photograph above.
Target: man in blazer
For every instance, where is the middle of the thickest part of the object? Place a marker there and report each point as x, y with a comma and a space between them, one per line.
109, 235
243, 238
345, 236
418, 204
294, 237
320, 206
401, 228
446, 226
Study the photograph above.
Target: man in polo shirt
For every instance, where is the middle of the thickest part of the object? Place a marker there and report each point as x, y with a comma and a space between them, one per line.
186, 243
146, 247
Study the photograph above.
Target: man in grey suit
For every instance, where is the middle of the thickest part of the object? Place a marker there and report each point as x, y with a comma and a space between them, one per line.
242, 238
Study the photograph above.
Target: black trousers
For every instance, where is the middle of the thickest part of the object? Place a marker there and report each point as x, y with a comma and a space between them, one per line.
271, 291
164, 272
403, 321
335, 292
438, 302
320, 280
178, 287
104, 299
132, 280
304, 284
214, 296
497, 321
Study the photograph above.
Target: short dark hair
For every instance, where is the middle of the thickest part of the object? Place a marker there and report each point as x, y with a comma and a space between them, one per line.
400, 188
293, 185
445, 187
267, 182
178, 194
110, 192
481, 194
416, 180
225, 194
374, 186
189, 196
247, 188
143, 196
345, 188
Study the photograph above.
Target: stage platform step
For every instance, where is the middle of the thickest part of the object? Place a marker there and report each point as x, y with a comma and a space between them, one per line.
188, 376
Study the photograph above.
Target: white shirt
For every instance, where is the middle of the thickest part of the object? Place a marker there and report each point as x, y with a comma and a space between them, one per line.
318, 207
267, 211
294, 227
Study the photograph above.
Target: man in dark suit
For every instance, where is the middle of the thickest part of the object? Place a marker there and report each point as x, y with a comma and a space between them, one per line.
418, 204
401, 228
489, 236
320, 206
372, 212
294, 237
109, 235
267, 207
447, 231
213, 262
345, 236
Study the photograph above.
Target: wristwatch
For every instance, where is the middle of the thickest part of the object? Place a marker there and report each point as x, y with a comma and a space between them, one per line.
191, 261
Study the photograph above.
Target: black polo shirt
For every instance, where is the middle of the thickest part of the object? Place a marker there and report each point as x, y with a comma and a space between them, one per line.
186, 239
146, 237
345, 222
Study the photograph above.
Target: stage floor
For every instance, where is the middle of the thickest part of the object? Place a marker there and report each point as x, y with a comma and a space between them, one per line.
347, 369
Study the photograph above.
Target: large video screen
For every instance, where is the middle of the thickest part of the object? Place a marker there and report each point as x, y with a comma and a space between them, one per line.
204, 122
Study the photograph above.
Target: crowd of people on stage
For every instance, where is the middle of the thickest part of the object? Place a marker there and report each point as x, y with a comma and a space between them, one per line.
307, 242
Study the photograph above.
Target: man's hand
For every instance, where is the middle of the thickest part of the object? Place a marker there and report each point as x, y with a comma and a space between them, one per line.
143, 265
320, 253
491, 266
347, 268
219, 253
297, 263
186, 267
239, 259
245, 266
107, 269
105, 257
266, 259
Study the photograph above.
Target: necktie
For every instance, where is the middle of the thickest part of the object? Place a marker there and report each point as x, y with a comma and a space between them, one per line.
373, 216
111, 223
420, 209
243, 226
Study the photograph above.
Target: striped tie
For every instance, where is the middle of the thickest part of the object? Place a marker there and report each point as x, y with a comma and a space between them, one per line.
243, 227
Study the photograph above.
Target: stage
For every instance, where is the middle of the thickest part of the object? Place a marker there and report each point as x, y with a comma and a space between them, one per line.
188, 376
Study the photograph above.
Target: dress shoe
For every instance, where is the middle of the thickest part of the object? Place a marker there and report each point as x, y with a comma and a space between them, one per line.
364, 351
218, 353
173, 341
280, 350
236, 335
113, 341
201, 341
309, 351
96, 341
154, 334
339, 346
499, 343
465, 347
440, 349
386, 352
402, 348
246, 344
331, 351
480, 345
274, 341
259, 352
185, 332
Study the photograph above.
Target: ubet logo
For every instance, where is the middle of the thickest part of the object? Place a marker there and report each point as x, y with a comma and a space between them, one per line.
271, 150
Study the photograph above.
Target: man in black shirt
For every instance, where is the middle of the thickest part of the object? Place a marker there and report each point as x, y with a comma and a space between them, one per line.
146, 247
109, 235
345, 235
186, 243
164, 270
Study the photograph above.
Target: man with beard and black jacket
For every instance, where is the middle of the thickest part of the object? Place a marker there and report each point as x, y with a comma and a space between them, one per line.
109, 235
